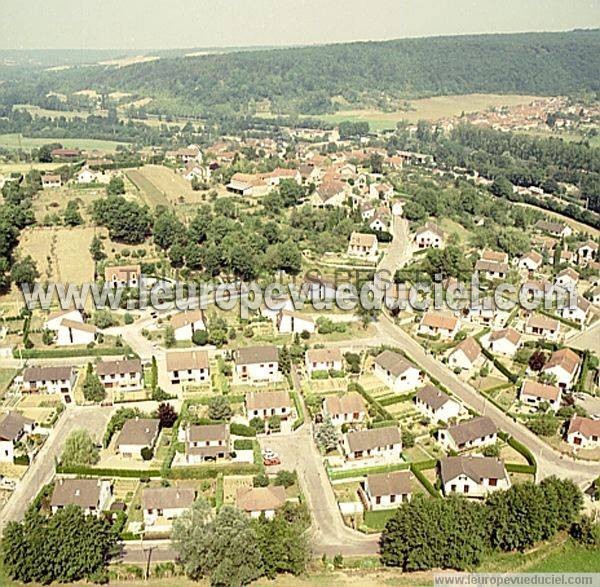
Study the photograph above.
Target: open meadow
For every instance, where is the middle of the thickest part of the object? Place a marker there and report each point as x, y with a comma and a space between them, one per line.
17, 141
433, 108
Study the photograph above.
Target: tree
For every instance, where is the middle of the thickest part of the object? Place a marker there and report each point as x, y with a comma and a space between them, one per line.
79, 449
501, 187
219, 408
72, 217
47, 336
169, 337
97, 248
537, 360
200, 337
24, 271
167, 415
224, 549
147, 453
408, 438
327, 436
543, 424
285, 478
64, 547
260, 480
126, 220
93, 390
167, 230
116, 186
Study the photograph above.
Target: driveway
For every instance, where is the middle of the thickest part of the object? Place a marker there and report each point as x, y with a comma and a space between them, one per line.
41, 471
328, 532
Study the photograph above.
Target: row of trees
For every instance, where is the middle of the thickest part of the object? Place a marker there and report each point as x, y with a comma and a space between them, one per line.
456, 533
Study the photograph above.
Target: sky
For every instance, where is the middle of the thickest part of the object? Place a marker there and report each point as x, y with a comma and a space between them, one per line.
167, 24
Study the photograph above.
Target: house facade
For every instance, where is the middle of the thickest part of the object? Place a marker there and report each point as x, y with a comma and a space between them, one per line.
436, 405
257, 364
396, 372
473, 476
188, 367
477, 432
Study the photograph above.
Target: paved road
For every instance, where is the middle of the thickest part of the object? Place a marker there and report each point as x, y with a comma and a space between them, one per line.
41, 471
329, 533
549, 461
589, 339
400, 249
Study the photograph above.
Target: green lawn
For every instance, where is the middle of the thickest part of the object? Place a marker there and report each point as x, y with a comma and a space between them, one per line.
377, 520
571, 558
17, 141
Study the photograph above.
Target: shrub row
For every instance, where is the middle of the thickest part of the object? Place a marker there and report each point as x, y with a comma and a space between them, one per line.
211, 472
70, 353
100, 472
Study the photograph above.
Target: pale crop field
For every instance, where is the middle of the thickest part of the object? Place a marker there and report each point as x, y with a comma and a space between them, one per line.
17, 141
433, 108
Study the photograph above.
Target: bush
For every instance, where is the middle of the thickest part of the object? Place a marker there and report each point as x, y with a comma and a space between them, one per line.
243, 444
147, 453
128, 318
200, 337
241, 430
586, 532
285, 478
21, 460
319, 374
260, 480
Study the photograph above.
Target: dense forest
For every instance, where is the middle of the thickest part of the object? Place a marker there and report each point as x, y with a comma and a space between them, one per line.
306, 79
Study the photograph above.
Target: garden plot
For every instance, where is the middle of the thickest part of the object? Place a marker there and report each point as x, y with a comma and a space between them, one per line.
232, 484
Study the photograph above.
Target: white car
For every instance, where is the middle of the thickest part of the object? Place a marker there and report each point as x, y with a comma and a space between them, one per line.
267, 453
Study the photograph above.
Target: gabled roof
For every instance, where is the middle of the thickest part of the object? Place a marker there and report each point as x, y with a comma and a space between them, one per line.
361, 440
544, 322
542, 390
182, 361
47, 374
360, 239
186, 318
396, 483
260, 400
82, 492
12, 425
349, 403
254, 355
430, 227
473, 429
329, 355
476, 468
119, 367
167, 498
565, 358
432, 397
439, 320
204, 432
393, 362
470, 348
260, 499
139, 432
585, 426
82, 326
509, 334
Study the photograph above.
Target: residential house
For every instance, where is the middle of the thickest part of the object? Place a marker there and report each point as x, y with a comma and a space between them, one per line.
345, 409
436, 405
494, 256
578, 312
587, 252
363, 245
381, 191
91, 495
309, 173
13, 427
491, 269
382, 220
564, 364
557, 229
160, 504
504, 342
465, 355
123, 275
329, 193
329, 359
264, 404
473, 433
50, 181
245, 184
595, 295
257, 364
61, 153
188, 367
73, 332
543, 326
86, 175
531, 262
534, 393
384, 443
122, 375
294, 322
438, 323
396, 372
429, 236
473, 476
261, 500
137, 434
207, 442
567, 278
584, 432
387, 490
53, 320
49, 379
186, 323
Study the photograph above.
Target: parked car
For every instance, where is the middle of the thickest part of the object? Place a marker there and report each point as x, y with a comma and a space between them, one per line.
269, 462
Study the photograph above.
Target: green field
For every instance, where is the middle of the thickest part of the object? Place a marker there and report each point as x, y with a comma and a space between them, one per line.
377, 520
17, 141
571, 558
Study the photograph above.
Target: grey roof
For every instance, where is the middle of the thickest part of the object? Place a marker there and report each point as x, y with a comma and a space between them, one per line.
12, 425
82, 492
139, 432
472, 429
375, 437
476, 468
47, 373
253, 355
119, 367
167, 498
396, 483
393, 362
432, 397
199, 433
